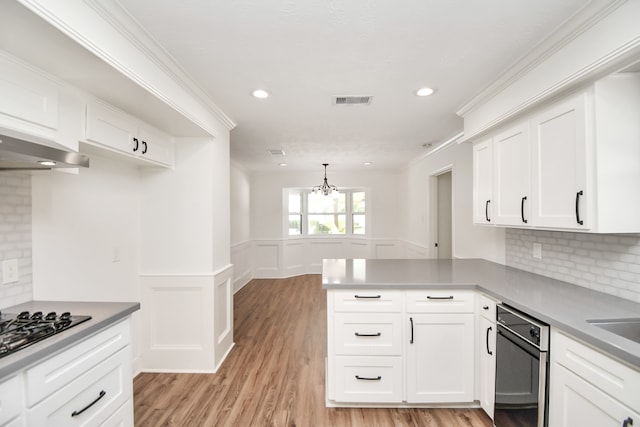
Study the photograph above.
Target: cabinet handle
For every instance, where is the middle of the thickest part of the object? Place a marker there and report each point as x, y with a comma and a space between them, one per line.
578, 194
367, 296
430, 297
485, 307
144, 147
489, 352
378, 378
76, 413
411, 320
135, 148
522, 209
628, 422
377, 334
486, 210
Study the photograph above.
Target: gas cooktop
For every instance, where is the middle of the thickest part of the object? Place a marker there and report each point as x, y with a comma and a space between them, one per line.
18, 331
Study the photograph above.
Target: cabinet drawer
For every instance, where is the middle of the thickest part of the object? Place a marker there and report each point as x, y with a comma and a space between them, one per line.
440, 301
91, 398
123, 417
369, 379
487, 307
10, 399
372, 301
54, 373
368, 334
609, 375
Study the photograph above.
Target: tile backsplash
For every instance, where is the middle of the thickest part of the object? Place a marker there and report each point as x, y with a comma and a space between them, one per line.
607, 263
15, 235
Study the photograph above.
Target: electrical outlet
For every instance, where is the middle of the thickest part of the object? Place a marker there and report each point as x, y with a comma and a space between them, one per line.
10, 272
537, 250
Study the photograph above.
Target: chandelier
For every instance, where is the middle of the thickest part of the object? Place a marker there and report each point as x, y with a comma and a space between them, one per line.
325, 188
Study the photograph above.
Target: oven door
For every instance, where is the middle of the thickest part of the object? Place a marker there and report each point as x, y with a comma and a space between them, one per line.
521, 377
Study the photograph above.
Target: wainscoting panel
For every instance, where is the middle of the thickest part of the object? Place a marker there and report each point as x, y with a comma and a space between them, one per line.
266, 259
242, 266
202, 337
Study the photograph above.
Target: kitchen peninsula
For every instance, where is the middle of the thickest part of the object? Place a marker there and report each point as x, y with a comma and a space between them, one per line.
393, 294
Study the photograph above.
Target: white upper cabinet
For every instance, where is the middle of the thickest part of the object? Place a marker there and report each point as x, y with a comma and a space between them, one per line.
33, 105
482, 182
560, 165
572, 165
511, 176
117, 131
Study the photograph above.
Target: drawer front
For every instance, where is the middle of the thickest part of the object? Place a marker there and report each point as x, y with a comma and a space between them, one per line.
368, 334
10, 399
609, 375
123, 417
487, 307
440, 301
369, 379
91, 398
371, 301
54, 373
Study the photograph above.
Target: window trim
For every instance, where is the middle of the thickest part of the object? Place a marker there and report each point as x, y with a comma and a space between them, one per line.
304, 214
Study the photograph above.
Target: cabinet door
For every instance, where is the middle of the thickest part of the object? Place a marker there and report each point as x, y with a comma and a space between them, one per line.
482, 182
440, 358
575, 402
155, 146
111, 128
559, 176
511, 176
487, 352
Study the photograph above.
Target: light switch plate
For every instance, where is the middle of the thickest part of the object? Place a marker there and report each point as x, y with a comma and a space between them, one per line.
10, 272
537, 250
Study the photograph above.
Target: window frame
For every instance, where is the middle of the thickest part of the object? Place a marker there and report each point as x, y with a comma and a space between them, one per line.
348, 214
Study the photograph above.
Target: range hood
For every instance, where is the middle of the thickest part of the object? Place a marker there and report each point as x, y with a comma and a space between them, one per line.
18, 154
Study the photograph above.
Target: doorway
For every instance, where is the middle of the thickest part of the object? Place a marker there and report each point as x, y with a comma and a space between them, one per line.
442, 184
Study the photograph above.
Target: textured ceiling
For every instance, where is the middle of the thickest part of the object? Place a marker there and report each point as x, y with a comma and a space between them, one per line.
306, 52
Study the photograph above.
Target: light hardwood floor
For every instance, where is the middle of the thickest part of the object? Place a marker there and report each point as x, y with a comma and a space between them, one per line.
275, 375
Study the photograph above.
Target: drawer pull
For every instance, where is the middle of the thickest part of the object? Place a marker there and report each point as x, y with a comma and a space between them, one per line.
628, 422
378, 378
367, 296
76, 413
485, 307
430, 297
377, 334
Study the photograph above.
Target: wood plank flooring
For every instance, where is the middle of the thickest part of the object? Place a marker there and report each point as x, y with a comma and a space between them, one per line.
275, 375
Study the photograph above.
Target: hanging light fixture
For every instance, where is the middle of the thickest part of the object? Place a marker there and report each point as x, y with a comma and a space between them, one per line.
325, 188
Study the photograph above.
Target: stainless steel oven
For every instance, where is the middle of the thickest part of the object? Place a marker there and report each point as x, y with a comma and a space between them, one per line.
522, 369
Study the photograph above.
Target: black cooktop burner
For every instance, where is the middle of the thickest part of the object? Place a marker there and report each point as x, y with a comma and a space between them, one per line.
18, 331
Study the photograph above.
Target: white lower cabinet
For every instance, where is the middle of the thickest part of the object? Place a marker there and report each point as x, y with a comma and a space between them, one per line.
487, 353
88, 384
440, 358
589, 388
400, 346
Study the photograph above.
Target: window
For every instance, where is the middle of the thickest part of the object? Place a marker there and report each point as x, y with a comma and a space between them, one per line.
341, 213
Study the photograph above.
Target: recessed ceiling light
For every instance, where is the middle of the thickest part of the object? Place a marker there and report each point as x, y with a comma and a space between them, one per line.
425, 91
367, 163
283, 164
260, 93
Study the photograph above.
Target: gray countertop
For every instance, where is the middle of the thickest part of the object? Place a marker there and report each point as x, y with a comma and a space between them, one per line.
560, 304
102, 315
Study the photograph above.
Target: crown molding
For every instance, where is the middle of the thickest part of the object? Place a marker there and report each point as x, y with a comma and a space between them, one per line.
118, 20
581, 21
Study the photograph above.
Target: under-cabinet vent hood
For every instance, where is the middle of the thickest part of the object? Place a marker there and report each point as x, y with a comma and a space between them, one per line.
18, 154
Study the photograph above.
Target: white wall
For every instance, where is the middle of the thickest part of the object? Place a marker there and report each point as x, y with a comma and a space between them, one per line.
469, 241
240, 205
81, 223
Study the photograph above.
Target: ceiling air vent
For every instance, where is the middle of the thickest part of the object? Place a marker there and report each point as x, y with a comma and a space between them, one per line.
276, 152
353, 100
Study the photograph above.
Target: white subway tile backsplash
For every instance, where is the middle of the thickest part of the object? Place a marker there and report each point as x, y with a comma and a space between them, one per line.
15, 235
607, 263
